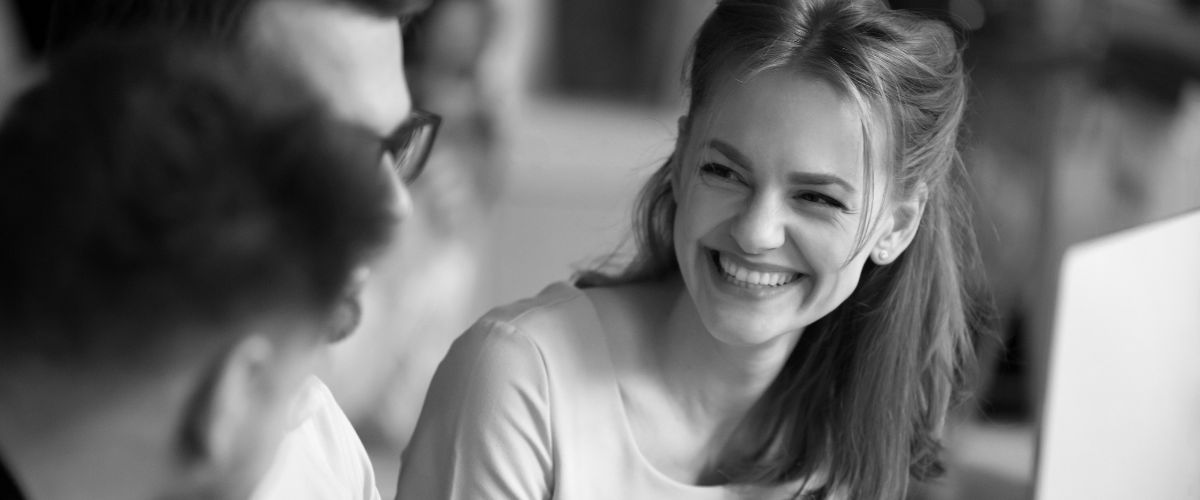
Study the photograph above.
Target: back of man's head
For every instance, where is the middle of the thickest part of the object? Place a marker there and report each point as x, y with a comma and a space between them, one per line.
55, 24
161, 204
147, 187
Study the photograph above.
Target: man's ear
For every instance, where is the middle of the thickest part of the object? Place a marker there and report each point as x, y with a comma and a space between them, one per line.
224, 406
899, 227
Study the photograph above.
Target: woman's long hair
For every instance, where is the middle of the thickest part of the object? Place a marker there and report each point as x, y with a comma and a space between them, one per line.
862, 400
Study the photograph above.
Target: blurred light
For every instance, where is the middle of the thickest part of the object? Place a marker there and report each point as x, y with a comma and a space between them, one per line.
970, 13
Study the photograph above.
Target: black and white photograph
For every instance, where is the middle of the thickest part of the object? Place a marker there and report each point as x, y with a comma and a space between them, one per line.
599, 249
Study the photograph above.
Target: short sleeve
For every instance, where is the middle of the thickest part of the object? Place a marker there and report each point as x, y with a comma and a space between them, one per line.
484, 431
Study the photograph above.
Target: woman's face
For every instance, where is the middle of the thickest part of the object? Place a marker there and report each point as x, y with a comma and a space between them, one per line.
770, 192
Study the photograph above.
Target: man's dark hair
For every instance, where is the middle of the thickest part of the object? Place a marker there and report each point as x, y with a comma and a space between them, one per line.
154, 188
51, 25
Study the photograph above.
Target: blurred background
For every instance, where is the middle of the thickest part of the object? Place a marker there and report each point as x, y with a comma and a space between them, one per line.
1084, 119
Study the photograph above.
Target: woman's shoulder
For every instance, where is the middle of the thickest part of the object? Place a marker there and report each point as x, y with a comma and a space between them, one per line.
501, 360
559, 322
632, 313
634, 301
559, 306
566, 328
563, 329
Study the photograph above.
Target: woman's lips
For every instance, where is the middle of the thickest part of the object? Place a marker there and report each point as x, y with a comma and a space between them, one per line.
743, 275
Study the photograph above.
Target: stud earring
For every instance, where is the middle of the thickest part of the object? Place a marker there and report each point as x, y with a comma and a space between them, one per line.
882, 258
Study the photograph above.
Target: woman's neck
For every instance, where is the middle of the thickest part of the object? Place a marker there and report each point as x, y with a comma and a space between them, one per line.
685, 392
712, 380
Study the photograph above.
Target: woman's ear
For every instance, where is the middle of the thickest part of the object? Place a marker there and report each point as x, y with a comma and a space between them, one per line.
899, 227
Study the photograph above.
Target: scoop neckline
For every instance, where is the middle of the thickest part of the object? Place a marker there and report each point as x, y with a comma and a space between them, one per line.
626, 427
720, 491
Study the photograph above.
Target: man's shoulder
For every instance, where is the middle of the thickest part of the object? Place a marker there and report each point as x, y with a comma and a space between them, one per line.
317, 409
321, 453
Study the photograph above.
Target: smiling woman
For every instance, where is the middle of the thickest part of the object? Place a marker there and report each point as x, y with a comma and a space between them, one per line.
796, 320
770, 196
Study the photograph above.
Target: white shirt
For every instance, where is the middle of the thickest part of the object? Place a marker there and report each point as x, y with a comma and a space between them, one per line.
321, 458
526, 406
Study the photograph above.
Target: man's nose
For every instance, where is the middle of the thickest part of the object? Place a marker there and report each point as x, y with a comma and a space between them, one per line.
403, 205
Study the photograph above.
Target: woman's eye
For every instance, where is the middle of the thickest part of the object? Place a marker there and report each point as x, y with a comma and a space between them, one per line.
820, 199
718, 171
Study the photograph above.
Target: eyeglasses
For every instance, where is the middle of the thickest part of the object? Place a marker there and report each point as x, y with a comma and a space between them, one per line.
407, 148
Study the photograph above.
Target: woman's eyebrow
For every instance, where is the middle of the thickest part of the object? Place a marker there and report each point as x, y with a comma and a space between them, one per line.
730, 152
819, 179
808, 178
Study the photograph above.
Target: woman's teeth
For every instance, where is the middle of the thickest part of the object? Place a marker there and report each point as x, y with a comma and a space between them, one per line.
750, 277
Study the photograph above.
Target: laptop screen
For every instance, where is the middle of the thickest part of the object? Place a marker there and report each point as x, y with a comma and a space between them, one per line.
1122, 412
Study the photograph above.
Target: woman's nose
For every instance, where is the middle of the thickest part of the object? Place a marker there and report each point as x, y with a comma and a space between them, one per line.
760, 227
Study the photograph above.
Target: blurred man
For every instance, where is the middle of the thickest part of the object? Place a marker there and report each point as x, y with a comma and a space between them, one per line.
351, 52
180, 224
12, 55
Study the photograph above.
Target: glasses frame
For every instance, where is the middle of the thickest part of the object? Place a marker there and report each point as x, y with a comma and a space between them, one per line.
407, 148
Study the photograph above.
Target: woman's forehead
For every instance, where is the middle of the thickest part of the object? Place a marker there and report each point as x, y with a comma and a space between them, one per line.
784, 119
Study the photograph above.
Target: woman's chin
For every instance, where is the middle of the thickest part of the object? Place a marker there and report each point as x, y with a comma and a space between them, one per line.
748, 331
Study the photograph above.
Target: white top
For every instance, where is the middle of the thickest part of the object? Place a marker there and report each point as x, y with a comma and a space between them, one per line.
321, 457
526, 405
